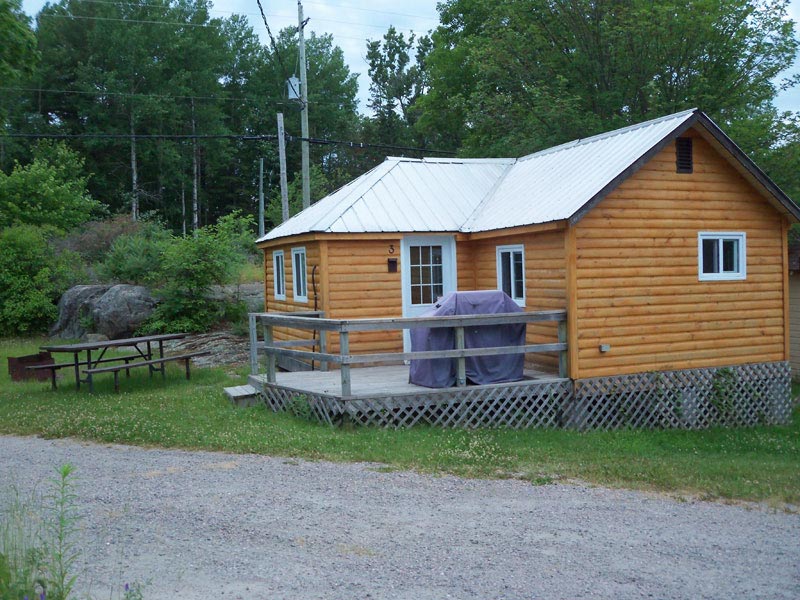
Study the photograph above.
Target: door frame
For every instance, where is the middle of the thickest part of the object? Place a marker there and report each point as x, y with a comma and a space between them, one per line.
449, 272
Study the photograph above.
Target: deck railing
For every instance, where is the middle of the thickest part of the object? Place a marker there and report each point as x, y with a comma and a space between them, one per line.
316, 322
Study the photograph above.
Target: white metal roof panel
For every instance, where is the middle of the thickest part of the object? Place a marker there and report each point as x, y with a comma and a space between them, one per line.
554, 184
401, 195
438, 195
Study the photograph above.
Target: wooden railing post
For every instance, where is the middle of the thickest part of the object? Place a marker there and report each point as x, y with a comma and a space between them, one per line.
271, 358
253, 345
461, 362
323, 348
344, 350
563, 367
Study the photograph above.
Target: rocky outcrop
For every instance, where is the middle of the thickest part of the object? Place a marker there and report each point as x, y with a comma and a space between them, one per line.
252, 294
121, 310
113, 311
74, 311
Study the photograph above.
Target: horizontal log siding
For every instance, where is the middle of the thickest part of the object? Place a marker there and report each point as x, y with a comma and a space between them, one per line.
637, 276
545, 281
361, 287
289, 305
794, 323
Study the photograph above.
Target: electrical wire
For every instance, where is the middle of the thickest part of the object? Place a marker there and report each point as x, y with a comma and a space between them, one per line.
239, 137
275, 50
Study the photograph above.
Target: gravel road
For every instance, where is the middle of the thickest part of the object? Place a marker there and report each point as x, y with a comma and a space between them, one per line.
204, 525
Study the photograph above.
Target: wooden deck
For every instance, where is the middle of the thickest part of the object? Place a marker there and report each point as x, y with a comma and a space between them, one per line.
368, 382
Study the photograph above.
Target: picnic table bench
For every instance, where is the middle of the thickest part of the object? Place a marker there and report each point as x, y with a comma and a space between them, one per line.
144, 354
155, 364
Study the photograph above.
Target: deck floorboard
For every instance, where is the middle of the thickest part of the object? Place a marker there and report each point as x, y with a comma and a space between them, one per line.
368, 382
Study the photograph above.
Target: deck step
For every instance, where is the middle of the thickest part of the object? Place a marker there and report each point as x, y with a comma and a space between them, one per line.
243, 395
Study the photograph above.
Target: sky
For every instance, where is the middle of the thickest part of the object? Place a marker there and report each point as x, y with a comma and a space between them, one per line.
352, 23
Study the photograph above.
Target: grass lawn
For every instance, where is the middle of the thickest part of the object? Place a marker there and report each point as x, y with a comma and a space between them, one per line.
761, 464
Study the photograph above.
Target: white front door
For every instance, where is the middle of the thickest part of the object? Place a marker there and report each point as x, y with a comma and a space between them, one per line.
428, 271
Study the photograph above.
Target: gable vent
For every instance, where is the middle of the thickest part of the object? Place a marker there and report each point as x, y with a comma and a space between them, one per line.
683, 155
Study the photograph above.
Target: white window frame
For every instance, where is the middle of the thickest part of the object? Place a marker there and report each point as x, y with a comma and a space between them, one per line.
511, 249
738, 275
299, 284
279, 275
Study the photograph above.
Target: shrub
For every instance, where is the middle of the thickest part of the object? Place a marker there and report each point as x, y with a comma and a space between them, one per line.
190, 266
93, 240
32, 278
137, 257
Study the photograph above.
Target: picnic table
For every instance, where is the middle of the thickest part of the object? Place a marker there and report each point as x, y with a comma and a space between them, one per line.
143, 353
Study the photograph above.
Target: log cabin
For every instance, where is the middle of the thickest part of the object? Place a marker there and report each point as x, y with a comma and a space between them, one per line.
663, 241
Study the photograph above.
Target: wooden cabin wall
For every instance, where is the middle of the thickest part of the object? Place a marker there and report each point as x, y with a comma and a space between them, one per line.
361, 287
637, 286
794, 323
290, 305
545, 280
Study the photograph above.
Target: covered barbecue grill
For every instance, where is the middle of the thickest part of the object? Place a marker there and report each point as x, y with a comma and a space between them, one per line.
441, 372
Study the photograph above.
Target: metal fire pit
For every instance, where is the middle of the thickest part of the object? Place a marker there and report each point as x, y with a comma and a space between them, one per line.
17, 366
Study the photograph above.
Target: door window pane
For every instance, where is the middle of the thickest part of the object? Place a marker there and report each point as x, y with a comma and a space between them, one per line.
427, 284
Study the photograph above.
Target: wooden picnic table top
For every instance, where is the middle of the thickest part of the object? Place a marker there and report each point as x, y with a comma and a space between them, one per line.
80, 347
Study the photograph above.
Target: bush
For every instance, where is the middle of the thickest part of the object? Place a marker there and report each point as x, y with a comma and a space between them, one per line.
93, 240
32, 278
138, 257
190, 267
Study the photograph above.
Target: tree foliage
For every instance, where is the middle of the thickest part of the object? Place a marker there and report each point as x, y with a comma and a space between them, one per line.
32, 277
398, 80
17, 42
51, 190
512, 77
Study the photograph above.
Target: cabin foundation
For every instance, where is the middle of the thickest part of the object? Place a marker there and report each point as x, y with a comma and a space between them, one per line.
736, 396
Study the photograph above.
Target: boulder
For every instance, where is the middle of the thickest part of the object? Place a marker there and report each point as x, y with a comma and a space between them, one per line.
252, 294
121, 310
74, 311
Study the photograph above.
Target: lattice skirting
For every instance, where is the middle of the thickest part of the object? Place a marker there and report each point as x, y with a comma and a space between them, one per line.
518, 406
741, 395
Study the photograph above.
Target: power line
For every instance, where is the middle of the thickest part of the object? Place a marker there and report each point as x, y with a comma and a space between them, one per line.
275, 49
187, 24
239, 137
259, 101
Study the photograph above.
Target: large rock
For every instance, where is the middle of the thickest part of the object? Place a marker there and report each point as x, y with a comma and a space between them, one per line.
252, 294
120, 311
74, 311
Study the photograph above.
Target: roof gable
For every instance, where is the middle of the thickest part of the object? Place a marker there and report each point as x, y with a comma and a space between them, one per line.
473, 195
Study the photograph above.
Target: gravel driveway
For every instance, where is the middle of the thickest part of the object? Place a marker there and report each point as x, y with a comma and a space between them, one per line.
211, 525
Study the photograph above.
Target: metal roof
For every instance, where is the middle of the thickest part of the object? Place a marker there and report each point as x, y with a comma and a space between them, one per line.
472, 195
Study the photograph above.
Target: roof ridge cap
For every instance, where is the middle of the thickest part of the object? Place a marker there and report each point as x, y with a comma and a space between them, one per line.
607, 134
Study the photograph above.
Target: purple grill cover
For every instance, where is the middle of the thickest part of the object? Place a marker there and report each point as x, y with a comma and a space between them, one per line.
441, 372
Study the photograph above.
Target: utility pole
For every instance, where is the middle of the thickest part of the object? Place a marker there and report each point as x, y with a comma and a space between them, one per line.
261, 197
304, 114
282, 159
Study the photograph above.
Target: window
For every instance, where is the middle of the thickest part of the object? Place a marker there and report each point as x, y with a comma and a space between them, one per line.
721, 256
299, 274
511, 272
427, 275
280, 275
683, 155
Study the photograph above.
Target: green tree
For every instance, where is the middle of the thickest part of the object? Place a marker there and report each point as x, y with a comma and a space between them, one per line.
51, 190
512, 77
17, 42
396, 82
32, 278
